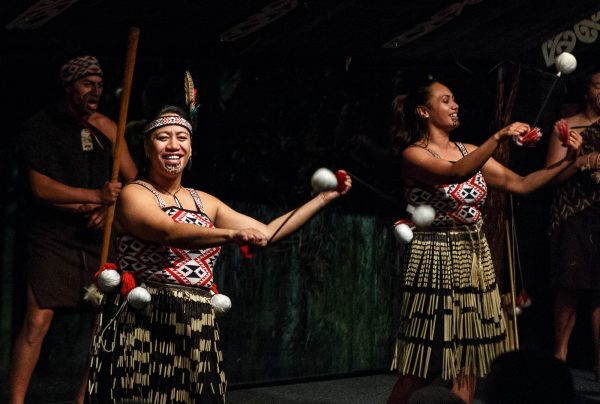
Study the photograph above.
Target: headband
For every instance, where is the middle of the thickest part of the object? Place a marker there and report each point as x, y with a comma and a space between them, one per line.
78, 68
165, 121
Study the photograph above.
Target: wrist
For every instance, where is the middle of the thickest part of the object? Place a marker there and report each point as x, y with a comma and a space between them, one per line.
96, 197
324, 199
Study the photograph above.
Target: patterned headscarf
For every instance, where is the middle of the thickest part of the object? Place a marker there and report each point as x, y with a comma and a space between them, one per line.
78, 68
167, 120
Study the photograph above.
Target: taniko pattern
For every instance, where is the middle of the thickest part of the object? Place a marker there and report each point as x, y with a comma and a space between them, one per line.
453, 203
160, 263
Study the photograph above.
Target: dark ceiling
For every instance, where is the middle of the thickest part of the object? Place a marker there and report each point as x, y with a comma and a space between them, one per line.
470, 32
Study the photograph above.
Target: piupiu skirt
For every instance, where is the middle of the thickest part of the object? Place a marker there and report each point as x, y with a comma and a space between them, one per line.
451, 319
166, 353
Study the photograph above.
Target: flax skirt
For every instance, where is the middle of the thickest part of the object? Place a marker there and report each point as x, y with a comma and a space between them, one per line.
167, 353
451, 320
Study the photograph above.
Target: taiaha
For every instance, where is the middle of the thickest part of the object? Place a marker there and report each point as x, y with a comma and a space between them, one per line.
107, 281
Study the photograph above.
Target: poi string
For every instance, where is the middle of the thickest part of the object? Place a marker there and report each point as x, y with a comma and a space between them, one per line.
377, 191
537, 118
248, 251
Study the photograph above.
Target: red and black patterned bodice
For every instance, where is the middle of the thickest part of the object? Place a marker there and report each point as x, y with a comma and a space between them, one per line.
161, 263
454, 204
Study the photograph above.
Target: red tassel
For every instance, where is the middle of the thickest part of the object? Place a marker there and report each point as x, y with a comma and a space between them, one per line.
341, 177
127, 283
562, 127
105, 266
530, 138
248, 251
214, 288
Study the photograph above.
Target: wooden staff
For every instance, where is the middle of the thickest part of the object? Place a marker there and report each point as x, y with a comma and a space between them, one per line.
132, 43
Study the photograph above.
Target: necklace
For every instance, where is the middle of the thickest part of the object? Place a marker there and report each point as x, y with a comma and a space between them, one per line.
174, 194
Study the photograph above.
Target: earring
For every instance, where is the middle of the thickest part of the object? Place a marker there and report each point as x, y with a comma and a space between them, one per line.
189, 164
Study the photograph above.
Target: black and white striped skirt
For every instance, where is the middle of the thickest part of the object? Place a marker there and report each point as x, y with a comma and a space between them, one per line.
166, 353
451, 316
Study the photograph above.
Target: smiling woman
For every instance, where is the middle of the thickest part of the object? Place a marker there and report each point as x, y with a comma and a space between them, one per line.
452, 324
168, 240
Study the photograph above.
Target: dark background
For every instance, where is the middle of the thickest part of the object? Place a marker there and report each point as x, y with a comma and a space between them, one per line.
310, 89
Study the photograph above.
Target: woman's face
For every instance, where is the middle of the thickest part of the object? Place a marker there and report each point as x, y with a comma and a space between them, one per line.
441, 109
169, 149
592, 97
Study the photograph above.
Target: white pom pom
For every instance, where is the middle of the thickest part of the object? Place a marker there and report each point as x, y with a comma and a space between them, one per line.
422, 215
138, 297
220, 303
403, 233
518, 311
565, 63
323, 180
108, 280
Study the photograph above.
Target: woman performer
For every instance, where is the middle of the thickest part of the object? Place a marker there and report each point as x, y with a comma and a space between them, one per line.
574, 227
169, 237
451, 318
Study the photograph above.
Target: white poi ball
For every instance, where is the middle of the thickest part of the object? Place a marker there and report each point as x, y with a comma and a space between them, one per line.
323, 180
527, 303
565, 63
108, 280
403, 233
422, 215
220, 303
138, 297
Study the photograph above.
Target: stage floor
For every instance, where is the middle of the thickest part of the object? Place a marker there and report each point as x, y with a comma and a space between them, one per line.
370, 389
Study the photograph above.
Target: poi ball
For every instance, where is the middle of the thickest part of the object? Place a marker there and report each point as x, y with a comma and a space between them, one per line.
422, 215
138, 298
526, 303
220, 303
323, 180
565, 63
403, 233
341, 177
108, 280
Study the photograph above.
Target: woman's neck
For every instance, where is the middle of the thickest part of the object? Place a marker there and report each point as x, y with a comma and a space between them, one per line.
591, 113
439, 138
169, 185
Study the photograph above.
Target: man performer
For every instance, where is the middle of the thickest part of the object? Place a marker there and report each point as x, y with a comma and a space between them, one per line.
67, 152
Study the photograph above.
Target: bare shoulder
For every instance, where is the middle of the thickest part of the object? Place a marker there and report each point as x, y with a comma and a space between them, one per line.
133, 192
470, 147
414, 152
577, 120
209, 200
104, 123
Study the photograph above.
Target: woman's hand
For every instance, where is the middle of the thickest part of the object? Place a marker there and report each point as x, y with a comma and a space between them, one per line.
344, 185
573, 142
250, 237
514, 129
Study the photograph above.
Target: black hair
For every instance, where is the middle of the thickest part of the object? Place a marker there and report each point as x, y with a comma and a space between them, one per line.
408, 127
